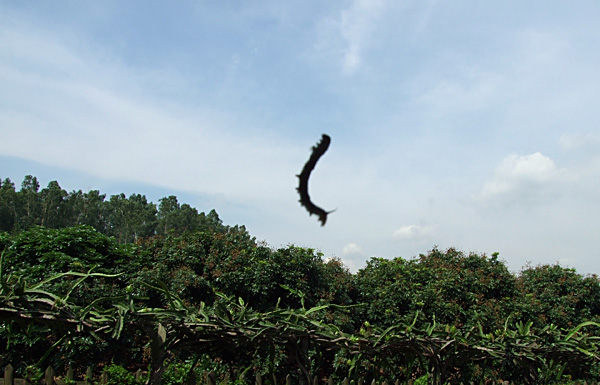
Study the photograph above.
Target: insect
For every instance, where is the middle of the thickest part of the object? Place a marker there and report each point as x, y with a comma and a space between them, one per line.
317, 152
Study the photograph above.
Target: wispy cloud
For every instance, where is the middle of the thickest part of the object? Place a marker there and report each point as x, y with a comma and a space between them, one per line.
521, 177
469, 89
578, 140
89, 112
409, 232
347, 34
352, 249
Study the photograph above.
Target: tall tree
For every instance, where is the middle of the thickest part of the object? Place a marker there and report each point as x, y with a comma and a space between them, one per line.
176, 219
167, 217
29, 203
8, 205
129, 219
54, 208
88, 209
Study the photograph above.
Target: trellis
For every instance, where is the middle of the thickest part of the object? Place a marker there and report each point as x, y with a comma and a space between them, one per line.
231, 324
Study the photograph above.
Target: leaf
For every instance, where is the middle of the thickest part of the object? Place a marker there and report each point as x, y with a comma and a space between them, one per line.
315, 309
578, 327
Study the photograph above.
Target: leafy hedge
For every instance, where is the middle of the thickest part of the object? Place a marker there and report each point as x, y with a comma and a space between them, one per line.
82, 298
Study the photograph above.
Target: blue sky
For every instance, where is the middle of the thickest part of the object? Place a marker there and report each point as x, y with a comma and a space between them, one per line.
454, 124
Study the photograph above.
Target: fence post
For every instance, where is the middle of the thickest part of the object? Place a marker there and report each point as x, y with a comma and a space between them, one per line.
69, 376
210, 378
158, 354
104, 378
88, 375
191, 377
49, 376
258, 380
288, 379
8, 374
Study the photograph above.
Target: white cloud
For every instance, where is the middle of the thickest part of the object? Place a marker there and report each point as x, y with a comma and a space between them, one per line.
352, 249
519, 175
535, 166
413, 232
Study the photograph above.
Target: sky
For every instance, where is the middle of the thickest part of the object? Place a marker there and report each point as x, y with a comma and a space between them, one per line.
464, 124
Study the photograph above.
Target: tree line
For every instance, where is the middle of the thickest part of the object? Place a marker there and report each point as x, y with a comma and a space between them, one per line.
125, 218
467, 293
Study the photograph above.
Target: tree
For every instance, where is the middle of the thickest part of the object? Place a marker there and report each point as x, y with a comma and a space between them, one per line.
387, 288
175, 219
54, 208
557, 295
262, 276
29, 203
130, 219
8, 205
88, 209
449, 286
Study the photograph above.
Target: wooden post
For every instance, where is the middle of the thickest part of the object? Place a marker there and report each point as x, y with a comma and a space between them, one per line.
158, 355
49, 376
8, 374
258, 379
346, 381
88, 375
104, 378
70, 374
288, 380
210, 378
191, 378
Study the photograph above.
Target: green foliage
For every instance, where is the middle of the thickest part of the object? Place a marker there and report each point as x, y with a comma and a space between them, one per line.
118, 375
258, 274
33, 373
450, 287
128, 219
234, 332
177, 373
558, 295
88, 294
8, 205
